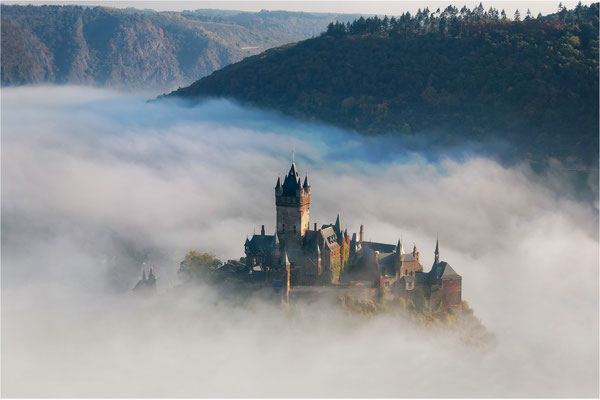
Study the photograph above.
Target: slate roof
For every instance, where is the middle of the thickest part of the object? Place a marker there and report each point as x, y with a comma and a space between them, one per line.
386, 264
262, 243
444, 271
408, 257
291, 182
380, 247
422, 277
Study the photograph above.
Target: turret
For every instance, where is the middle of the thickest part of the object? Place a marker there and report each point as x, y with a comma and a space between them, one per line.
437, 252
362, 233
306, 185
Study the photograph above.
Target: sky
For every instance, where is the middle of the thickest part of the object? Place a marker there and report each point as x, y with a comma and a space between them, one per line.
98, 185
359, 7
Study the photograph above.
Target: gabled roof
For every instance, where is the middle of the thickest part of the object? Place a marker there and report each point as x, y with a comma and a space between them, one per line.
444, 271
262, 243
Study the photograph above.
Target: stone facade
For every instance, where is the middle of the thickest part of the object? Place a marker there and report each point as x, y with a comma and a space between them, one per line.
297, 256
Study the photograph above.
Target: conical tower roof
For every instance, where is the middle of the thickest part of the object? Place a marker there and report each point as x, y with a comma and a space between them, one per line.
306, 184
338, 225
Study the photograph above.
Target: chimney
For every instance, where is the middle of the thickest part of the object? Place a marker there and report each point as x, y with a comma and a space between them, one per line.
262, 230
362, 233
315, 226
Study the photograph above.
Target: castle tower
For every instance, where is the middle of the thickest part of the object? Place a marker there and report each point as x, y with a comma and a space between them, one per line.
292, 201
437, 252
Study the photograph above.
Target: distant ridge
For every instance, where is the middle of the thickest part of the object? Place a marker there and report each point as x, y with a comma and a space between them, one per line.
143, 49
456, 75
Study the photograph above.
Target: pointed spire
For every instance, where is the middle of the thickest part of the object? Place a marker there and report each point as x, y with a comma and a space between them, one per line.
293, 171
285, 260
306, 184
247, 242
345, 233
338, 225
437, 251
278, 185
276, 240
299, 183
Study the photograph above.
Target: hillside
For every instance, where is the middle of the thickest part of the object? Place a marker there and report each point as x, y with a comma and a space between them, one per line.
452, 75
138, 48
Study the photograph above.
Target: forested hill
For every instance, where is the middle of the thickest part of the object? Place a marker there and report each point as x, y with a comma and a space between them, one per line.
139, 48
455, 74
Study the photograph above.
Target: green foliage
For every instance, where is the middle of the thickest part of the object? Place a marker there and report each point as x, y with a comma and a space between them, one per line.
460, 75
143, 48
365, 308
199, 267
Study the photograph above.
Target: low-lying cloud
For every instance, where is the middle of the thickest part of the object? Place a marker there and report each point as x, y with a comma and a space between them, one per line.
97, 185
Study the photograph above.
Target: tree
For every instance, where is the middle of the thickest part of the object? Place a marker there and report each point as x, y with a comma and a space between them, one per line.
517, 15
198, 266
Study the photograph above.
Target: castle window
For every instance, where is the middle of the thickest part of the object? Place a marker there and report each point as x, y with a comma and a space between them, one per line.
283, 227
294, 228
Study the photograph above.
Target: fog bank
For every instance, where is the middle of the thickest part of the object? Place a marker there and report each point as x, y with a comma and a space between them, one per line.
97, 185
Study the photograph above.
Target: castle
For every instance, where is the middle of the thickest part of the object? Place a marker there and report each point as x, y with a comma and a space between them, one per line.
297, 257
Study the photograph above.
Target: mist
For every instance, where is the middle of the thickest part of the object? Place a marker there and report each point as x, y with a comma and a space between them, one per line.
97, 185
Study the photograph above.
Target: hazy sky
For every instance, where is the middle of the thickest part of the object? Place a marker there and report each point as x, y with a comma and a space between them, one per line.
97, 185
365, 7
